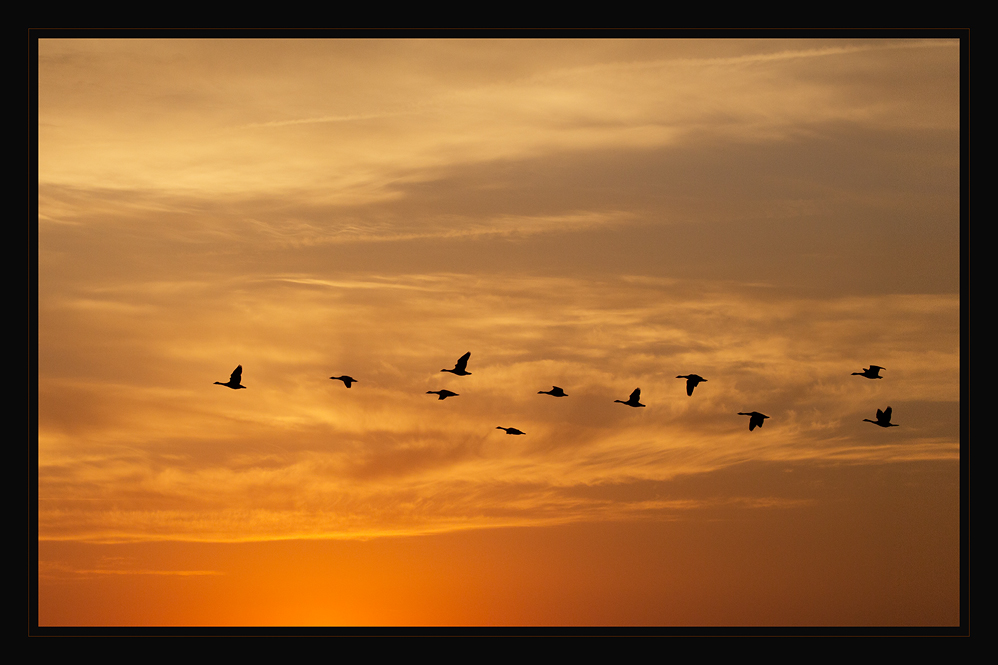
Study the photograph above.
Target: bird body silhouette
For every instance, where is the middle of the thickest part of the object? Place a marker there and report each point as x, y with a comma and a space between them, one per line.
633, 399
756, 419
461, 367
692, 380
347, 380
883, 418
511, 430
444, 394
871, 372
555, 390
234, 379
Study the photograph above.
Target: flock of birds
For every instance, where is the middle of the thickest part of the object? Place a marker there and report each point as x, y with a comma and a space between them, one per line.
756, 419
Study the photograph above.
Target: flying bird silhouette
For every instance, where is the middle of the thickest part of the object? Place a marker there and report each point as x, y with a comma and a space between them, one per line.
444, 394
755, 419
871, 372
555, 390
692, 380
511, 430
883, 418
461, 367
347, 380
633, 399
234, 379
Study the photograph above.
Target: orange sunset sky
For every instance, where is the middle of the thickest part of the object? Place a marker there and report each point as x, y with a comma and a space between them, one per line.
594, 214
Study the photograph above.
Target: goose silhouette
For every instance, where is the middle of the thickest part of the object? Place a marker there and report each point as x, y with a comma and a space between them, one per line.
444, 394
461, 367
871, 372
633, 399
756, 419
511, 430
883, 418
347, 380
234, 379
555, 391
692, 380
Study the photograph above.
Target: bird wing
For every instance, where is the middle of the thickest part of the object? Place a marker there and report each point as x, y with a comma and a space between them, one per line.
236, 376
755, 419
462, 362
887, 414
690, 385
636, 395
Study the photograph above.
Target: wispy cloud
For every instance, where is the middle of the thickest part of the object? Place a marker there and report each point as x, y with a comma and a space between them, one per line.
422, 121
59, 570
305, 457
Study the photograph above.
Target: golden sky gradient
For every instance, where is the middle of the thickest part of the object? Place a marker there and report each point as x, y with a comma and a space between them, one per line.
598, 215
